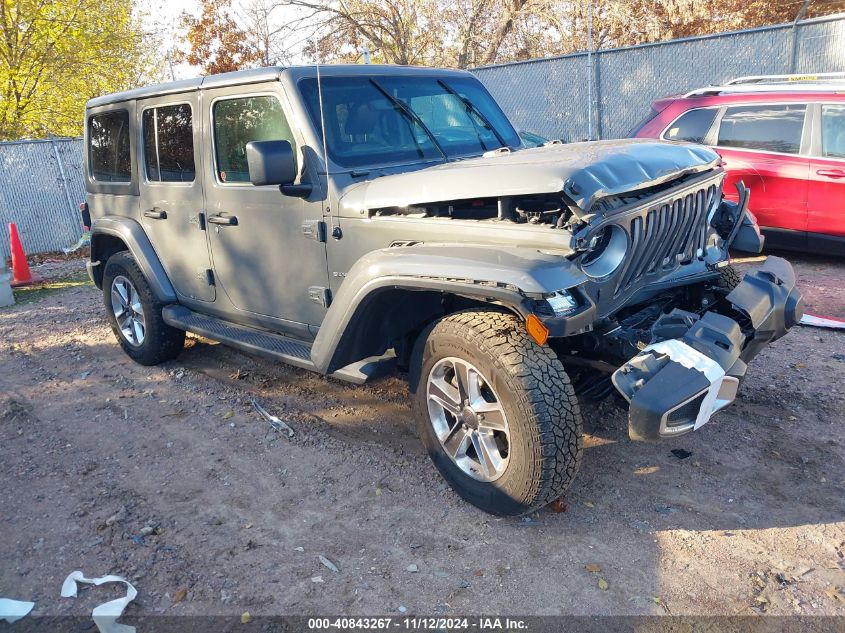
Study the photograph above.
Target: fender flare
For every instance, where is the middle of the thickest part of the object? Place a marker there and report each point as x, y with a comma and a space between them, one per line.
133, 236
505, 277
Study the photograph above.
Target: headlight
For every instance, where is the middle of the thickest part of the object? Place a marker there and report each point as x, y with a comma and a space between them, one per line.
556, 304
606, 249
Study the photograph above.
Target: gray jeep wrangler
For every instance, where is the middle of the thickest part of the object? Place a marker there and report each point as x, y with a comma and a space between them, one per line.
351, 218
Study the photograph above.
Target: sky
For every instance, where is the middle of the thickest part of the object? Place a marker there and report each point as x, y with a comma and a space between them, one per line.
162, 16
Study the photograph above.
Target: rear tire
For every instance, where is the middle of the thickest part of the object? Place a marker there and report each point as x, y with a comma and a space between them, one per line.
524, 416
141, 330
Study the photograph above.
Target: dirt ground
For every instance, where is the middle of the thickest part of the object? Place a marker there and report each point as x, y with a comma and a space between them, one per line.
94, 448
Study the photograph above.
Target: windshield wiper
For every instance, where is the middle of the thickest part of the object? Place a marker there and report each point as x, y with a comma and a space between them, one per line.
472, 108
411, 115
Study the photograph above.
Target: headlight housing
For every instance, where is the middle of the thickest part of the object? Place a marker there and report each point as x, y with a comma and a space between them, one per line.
606, 250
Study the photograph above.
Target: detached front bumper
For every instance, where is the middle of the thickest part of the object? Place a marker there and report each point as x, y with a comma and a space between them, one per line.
674, 386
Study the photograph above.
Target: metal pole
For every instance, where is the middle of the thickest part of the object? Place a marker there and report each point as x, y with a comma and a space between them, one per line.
58, 156
793, 57
590, 71
170, 64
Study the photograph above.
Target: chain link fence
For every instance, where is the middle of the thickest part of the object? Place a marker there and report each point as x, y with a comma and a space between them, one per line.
572, 97
41, 187
551, 96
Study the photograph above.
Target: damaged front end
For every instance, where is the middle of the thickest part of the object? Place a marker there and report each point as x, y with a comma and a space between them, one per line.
676, 384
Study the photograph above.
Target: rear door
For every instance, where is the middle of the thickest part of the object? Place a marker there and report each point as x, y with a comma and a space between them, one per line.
826, 196
764, 146
171, 192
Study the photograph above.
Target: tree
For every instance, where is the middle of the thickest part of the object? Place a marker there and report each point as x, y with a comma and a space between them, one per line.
217, 44
467, 33
56, 54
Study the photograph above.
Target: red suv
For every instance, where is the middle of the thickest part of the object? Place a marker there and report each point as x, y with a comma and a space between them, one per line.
784, 137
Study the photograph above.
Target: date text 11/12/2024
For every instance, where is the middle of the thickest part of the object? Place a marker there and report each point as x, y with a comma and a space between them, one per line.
418, 624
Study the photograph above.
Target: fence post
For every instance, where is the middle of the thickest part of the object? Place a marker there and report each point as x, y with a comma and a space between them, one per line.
58, 156
597, 73
793, 59
590, 71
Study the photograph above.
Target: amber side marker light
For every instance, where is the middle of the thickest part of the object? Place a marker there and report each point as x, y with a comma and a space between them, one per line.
536, 329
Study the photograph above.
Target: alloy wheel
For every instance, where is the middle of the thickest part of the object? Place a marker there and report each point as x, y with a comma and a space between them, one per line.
128, 311
468, 419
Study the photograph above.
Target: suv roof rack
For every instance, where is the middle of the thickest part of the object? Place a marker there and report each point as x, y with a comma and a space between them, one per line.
819, 82
812, 77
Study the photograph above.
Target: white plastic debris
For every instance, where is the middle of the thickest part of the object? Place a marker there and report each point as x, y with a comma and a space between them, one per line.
820, 321
328, 564
105, 615
85, 240
14, 610
275, 423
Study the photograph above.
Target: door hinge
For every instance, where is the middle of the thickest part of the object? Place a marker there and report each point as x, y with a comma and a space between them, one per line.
209, 275
315, 230
321, 295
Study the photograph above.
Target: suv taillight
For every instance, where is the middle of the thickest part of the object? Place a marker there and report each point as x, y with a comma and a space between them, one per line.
86, 215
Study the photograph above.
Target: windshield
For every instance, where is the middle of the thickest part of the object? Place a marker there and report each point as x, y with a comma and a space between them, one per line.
378, 120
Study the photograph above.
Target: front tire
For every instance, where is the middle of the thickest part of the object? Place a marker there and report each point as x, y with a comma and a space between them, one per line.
134, 313
496, 412
729, 277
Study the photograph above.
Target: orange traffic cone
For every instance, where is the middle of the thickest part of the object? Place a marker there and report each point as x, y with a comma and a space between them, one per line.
21, 276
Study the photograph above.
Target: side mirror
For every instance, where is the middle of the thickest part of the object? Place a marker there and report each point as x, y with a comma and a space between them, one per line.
270, 163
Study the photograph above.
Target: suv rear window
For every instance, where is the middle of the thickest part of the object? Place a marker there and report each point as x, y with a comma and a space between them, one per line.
109, 155
771, 128
642, 123
692, 126
833, 131
239, 121
169, 143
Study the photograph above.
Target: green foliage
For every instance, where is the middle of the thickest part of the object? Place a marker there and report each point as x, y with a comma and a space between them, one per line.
57, 54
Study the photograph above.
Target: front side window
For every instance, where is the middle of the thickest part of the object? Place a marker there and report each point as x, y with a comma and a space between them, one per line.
169, 143
771, 128
239, 121
692, 126
109, 154
833, 131
395, 119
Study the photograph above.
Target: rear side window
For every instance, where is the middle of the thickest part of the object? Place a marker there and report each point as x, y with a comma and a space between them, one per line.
169, 143
109, 155
772, 128
692, 126
833, 131
239, 121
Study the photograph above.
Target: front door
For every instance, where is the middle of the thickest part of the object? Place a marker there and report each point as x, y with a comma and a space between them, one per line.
171, 191
269, 258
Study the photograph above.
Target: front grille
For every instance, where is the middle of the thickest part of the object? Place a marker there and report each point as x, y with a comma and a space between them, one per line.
666, 235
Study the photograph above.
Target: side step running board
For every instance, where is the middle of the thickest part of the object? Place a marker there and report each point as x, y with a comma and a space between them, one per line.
267, 344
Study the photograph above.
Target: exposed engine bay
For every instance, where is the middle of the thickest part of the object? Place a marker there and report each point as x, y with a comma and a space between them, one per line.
555, 210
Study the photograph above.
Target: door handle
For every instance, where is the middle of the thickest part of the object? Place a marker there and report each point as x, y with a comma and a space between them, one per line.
832, 173
155, 213
229, 220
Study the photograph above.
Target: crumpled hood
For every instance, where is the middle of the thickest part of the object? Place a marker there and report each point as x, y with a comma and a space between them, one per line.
584, 171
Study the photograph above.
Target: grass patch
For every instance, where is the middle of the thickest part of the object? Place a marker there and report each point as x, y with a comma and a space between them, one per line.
28, 294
